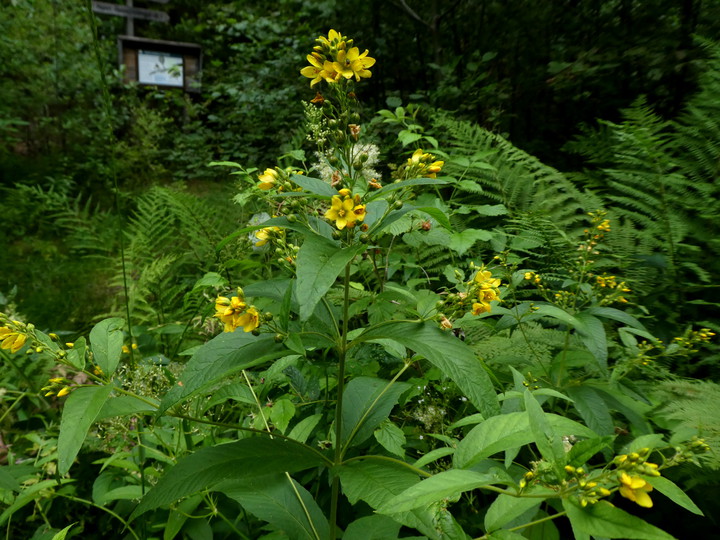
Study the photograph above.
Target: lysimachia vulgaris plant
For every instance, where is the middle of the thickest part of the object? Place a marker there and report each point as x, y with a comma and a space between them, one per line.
325, 354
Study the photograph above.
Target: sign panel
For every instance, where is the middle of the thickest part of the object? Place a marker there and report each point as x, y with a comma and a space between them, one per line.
105, 8
160, 68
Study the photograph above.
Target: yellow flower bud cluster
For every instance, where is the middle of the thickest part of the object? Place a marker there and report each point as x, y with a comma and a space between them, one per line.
589, 490
334, 59
235, 313
57, 385
611, 289
277, 179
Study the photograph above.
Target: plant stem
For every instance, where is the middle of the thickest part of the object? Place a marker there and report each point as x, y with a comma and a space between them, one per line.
342, 351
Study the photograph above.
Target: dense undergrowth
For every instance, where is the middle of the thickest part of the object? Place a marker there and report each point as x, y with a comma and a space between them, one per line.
429, 332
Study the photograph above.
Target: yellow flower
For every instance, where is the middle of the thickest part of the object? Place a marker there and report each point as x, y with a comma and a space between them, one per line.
319, 69
64, 392
351, 64
480, 307
268, 179
265, 235
249, 320
333, 40
342, 212
636, 489
11, 339
229, 311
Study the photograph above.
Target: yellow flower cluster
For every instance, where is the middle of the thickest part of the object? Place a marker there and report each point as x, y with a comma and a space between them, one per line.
484, 288
264, 235
632, 486
12, 336
419, 165
235, 313
59, 386
334, 58
346, 210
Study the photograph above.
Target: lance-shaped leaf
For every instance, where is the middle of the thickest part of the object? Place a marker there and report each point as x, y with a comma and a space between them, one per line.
314, 185
446, 352
607, 521
319, 262
80, 411
219, 358
244, 459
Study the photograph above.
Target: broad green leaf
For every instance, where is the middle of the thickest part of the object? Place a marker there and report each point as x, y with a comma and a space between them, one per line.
592, 334
505, 508
314, 185
616, 315
391, 438
8, 481
546, 530
547, 440
366, 403
381, 193
120, 493
302, 430
463, 241
408, 137
674, 493
446, 352
375, 482
125, 405
106, 339
376, 527
319, 262
607, 521
30, 494
506, 431
502, 534
273, 498
244, 459
592, 409
582, 451
395, 215
555, 313
447, 484
221, 357
80, 411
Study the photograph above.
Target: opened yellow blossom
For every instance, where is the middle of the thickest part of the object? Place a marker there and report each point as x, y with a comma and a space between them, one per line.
11, 339
344, 212
636, 489
320, 69
265, 235
268, 179
352, 63
235, 313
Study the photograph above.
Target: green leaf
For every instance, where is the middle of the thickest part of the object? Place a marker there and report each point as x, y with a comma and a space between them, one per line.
76, 355
125, 405
274, 498
178, 516
378, 481
408, 137
80, 411
592, 334
673, 492
463, 241
506, 508
281, 413
511, 430
446, 352
8, 481
444, 485
121, 493
546, 438
210, 279
244, 459
374, 527
605, 520
616, 315
30, 495
592, 409
366, 403
224, 355
319, 262
302, 430
314, 185
381, 193
106, 339
555, 313
502, 534
60, 535
391, 438
582, 451
434, 455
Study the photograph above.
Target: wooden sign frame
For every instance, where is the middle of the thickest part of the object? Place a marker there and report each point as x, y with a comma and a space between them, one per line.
153, 62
